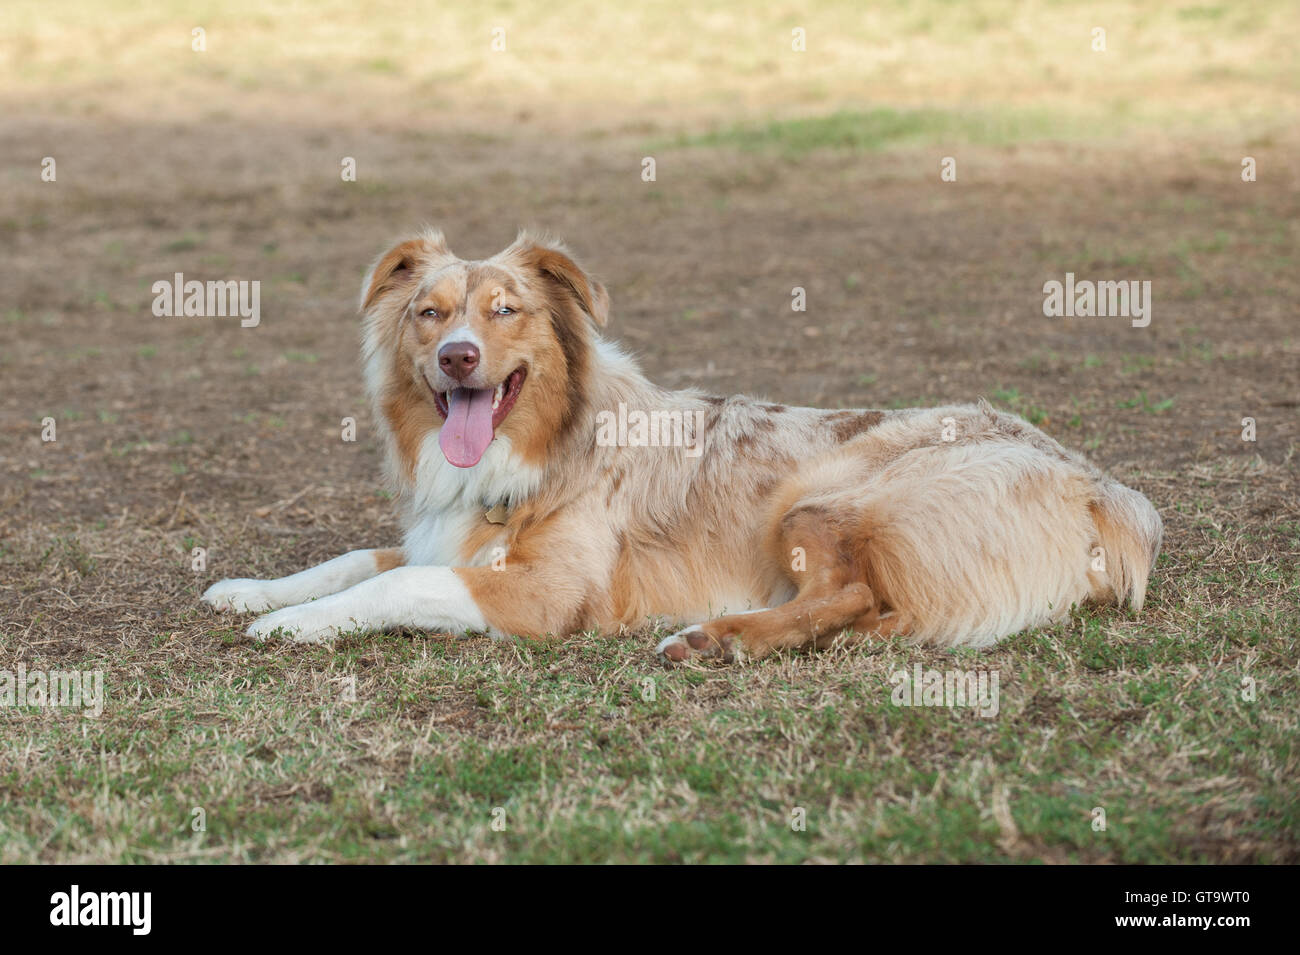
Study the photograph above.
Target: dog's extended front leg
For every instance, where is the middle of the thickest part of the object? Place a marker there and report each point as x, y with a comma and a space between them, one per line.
427, 598
256, 596
536, 597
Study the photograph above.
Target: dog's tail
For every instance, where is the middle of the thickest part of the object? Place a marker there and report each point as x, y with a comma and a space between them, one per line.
1129, 532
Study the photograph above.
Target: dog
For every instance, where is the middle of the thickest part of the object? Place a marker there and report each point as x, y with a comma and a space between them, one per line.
536, 500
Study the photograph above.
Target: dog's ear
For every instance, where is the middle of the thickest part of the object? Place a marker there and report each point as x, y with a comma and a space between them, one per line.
553, 261
396, 267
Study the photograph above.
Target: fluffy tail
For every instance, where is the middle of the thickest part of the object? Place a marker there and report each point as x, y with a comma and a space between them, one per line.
1129, 533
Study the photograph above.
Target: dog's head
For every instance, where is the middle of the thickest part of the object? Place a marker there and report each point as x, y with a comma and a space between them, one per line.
478, 349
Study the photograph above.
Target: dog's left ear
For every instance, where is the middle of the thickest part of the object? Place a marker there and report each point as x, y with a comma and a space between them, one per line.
395, 269
552, 260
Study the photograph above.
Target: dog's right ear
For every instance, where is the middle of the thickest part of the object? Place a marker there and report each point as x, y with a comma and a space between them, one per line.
396, 268
550, 258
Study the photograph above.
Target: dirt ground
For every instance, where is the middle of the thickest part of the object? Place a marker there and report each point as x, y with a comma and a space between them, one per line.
918, 292
174, 433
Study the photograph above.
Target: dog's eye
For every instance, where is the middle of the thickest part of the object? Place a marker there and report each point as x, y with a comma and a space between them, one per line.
429, 313
505, 310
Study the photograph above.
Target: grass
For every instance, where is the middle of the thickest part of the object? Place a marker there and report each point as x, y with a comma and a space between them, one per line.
671, 62
884, 128
1012, 400
408, 747
1145, 404
589, 767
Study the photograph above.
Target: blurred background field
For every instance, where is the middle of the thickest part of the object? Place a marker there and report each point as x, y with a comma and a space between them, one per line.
610, 67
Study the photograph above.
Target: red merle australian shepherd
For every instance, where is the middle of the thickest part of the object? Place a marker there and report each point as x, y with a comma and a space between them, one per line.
548, 487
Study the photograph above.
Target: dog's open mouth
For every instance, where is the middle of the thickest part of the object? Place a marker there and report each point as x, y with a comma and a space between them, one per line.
473, 416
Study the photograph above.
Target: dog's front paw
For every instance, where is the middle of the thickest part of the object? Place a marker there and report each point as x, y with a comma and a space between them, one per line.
308, 623
241, 595
696, 643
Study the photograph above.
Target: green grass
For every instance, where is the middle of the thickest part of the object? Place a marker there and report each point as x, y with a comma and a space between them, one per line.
1014, 401
1145, 404
711, 767
884, 128
185, 243
408, 747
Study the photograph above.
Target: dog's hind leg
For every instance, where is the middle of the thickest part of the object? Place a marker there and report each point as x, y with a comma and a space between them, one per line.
752, 635
874, 623
833, 596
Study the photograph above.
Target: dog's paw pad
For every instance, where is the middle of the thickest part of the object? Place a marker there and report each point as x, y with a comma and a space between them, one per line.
673, 649
694, 643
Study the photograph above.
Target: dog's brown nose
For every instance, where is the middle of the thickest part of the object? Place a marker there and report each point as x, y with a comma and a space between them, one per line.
458, 359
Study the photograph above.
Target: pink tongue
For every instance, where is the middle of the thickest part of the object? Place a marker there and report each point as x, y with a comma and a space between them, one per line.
467, 432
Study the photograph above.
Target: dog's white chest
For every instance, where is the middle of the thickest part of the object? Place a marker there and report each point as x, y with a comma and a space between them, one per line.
448, 503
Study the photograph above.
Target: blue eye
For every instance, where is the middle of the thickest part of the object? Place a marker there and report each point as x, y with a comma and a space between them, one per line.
505, 310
